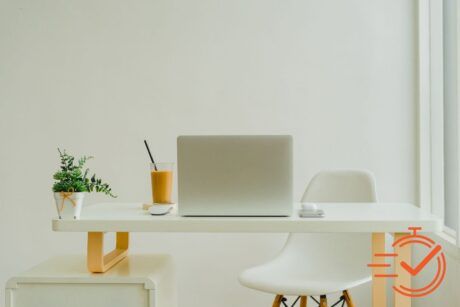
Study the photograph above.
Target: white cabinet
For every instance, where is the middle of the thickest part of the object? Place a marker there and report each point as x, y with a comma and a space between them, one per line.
137, 281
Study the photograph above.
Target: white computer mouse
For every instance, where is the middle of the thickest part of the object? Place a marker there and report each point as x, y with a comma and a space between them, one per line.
160, 209
309, 206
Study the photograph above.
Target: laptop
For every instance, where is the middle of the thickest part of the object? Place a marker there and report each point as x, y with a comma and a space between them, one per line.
235, 175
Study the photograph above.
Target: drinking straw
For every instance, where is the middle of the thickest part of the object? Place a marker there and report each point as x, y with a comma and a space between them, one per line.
150, 155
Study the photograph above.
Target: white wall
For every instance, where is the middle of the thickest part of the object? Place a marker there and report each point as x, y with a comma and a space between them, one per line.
96, 77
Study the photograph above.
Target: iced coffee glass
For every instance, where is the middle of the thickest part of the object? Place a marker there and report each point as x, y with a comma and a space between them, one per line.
161, 175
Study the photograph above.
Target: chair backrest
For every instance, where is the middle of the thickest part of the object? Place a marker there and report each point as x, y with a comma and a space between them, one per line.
336, 253
341, 186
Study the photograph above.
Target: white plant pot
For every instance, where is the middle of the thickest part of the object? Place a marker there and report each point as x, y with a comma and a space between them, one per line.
69, 204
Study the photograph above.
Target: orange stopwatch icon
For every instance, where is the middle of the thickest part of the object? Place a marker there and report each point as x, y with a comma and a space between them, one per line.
433, 254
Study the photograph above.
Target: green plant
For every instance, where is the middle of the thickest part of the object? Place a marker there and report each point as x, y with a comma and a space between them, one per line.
72, 178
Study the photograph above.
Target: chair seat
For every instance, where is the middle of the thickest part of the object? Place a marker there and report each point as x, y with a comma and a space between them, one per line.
272, 278
320, 263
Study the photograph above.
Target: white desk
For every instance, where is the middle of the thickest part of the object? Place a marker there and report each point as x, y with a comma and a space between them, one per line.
351, 217
375, 218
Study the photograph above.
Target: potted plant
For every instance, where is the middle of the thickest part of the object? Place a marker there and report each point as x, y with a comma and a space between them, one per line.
71, 184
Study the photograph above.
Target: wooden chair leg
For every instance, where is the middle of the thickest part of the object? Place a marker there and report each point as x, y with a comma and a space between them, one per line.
348, 299
277, 301
323, 301
303, 301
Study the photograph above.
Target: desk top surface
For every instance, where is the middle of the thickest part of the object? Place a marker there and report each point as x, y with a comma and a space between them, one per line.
339, 217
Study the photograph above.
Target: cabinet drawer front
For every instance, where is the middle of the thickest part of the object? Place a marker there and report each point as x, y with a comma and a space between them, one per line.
80, 295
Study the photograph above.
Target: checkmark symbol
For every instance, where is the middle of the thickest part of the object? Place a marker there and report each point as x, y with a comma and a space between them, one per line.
421, 265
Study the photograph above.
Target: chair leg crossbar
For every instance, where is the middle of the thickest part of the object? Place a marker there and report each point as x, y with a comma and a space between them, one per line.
341, 300
284, 300
280, 300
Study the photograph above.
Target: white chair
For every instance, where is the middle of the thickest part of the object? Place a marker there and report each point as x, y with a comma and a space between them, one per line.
320, 264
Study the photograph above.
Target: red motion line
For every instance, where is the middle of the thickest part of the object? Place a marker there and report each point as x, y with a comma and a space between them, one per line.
386, 255
379, 265
386, 275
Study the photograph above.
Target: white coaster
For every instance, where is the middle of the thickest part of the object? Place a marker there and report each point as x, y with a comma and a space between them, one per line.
311, 213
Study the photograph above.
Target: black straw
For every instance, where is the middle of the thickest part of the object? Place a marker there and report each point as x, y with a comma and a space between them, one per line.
150, 155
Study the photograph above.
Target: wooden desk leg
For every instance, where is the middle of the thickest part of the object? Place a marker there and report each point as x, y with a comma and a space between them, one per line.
403, 277
379, 295
96, 260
